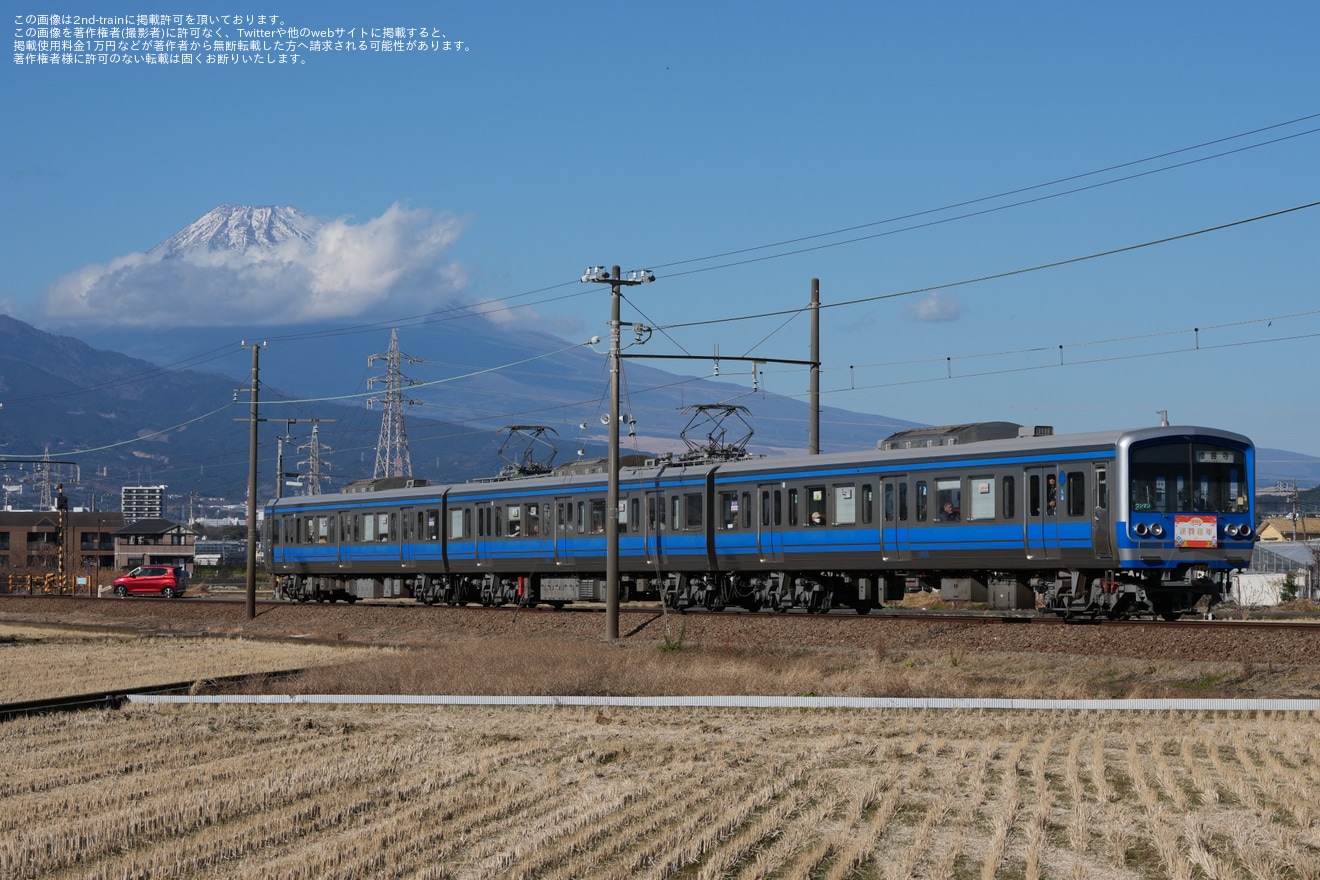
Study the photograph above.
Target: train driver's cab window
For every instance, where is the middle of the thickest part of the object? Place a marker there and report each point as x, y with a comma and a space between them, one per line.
948, 500
816, 512
845, 505
982, 497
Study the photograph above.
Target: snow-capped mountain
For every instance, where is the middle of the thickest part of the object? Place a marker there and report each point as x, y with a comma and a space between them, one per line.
240, 227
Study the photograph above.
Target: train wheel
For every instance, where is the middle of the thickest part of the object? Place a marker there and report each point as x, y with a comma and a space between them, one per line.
863, 607
1171, 615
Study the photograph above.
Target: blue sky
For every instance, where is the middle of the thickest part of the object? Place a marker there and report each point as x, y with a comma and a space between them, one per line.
575, 133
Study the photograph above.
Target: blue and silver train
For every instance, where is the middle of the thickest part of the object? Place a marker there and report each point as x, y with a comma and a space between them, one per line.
1148, 521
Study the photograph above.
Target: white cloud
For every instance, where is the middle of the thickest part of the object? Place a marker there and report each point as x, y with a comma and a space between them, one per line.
393, 263
934, 307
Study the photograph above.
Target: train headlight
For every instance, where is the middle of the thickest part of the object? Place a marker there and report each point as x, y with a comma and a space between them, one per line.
1231, 530
1157, 530
1142, 530
1245, 531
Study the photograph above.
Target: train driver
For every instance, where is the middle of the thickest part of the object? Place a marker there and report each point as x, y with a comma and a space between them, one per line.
948, 514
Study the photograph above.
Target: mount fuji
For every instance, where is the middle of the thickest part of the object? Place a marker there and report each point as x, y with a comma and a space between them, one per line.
240, 228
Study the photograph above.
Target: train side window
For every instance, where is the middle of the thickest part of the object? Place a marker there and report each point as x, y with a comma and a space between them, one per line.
728, 510
793, 507
676, 512
1033, 495
533, 519
1074, 486
745, 515
581, 517
369, 527
597, 515
515, 520
845, 505
389, 527
635, 508
765, 507
692, 510
777, 511
324, 530
983, 497
868, 503
1010, 498
923, 497
432, 525
888, 511
817, 514
499, 521
948, 500
1101, 487
902, 502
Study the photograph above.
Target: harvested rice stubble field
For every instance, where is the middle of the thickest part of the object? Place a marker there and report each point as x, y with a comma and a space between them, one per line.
303, 791
574, 793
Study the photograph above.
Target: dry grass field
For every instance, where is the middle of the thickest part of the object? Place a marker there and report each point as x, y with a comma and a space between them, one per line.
474, 792
576, 793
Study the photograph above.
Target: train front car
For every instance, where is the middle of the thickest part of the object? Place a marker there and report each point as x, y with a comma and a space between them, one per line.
1183, 514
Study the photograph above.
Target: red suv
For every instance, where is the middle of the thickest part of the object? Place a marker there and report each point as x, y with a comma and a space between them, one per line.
165, 580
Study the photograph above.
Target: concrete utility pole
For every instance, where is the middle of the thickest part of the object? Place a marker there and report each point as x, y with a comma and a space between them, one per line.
813, 441
616, 282
253, 421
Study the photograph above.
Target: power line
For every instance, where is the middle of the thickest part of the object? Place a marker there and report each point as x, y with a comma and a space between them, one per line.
999, 275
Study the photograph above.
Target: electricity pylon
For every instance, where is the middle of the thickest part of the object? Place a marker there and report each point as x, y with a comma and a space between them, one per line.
392, 448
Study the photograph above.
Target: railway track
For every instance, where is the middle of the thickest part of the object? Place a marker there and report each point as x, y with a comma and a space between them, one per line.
969, 616
79, 702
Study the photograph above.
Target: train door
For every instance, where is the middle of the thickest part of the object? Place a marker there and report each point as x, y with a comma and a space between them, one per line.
1042, 513
894, 513
481, 539
1102, 530
345, 536
770, 522
407, 537
655, 528
563, 526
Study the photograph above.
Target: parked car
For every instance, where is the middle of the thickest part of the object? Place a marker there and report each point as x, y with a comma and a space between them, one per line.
164, 580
